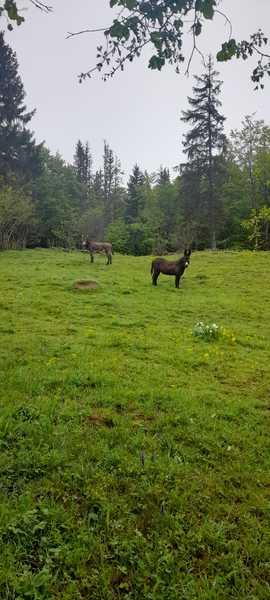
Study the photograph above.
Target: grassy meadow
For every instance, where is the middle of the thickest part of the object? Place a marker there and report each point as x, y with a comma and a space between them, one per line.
135, 457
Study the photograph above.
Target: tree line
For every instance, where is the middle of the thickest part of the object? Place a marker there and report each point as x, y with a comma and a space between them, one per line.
219, 197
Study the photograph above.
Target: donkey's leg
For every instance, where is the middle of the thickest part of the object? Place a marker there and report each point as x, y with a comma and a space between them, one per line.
110, 258
177, 279
92, 257
155, 277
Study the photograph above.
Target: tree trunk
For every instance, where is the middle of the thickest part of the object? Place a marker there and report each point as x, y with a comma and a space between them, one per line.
267, 235
210, 172
214, 241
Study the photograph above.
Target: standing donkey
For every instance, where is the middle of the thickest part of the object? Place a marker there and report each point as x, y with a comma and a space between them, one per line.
98, 247
169, 267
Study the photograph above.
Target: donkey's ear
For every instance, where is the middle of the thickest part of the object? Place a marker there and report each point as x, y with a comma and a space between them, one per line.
186, 252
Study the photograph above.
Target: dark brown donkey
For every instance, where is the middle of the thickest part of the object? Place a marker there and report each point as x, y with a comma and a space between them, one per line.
169, 267
98, 247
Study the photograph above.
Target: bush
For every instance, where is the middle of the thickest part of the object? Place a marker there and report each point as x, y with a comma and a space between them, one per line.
130, 239
16, 217
118, 234
140, 243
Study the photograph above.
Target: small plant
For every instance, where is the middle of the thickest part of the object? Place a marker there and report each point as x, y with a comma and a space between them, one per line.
213, 332
206, 332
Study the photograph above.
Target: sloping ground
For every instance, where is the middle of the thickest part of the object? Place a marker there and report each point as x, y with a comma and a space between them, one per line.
134, 457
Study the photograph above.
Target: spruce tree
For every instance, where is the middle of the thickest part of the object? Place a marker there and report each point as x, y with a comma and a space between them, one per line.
79, 160
205, 139
108, 179
112, 178
83, 163
163, 176
19, 155
135, 196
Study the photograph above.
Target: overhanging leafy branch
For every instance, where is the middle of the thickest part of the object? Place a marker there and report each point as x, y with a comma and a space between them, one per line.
245, 49
9, 9
160, 24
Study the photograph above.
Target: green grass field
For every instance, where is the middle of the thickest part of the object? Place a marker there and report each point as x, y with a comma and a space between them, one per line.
135, 458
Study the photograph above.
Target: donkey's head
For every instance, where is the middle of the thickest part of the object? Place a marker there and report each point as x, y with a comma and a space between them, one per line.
187, 254
85, 243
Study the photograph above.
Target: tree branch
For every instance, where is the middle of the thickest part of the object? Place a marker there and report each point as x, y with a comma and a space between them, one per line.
71, 34
262, 54
195, 47
228, 21
41, 6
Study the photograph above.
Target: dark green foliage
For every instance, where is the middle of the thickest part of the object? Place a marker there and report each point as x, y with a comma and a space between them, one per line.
106, 197
12, 13
250, 146
50, 203
194, 204
135, 196
9, 10
202, 144
108, 183
59, 200
245, 49
163, 176
18, 152
118, 234
83, 163
140, 242
17, 217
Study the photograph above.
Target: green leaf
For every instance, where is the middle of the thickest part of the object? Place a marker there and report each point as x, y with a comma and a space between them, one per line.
156, 63
130, 4
119, 30
197, 28
228, 50
156, 37
206, 7
178, 24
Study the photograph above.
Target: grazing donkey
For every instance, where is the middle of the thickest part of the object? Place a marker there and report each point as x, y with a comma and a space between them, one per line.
98, 247
169, 267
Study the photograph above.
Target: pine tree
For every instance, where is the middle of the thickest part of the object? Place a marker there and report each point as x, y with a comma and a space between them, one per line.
205, 138
83, 163
79, 160
98, 186
163, 176
19, 155
88, 163
135, 196
108, 181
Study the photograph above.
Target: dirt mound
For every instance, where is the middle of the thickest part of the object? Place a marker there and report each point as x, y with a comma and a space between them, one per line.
86, 284
100, 420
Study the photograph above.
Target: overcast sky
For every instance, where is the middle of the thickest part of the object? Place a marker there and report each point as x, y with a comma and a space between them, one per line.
137, 112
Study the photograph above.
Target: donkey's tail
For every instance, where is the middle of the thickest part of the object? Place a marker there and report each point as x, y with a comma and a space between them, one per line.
152, 268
